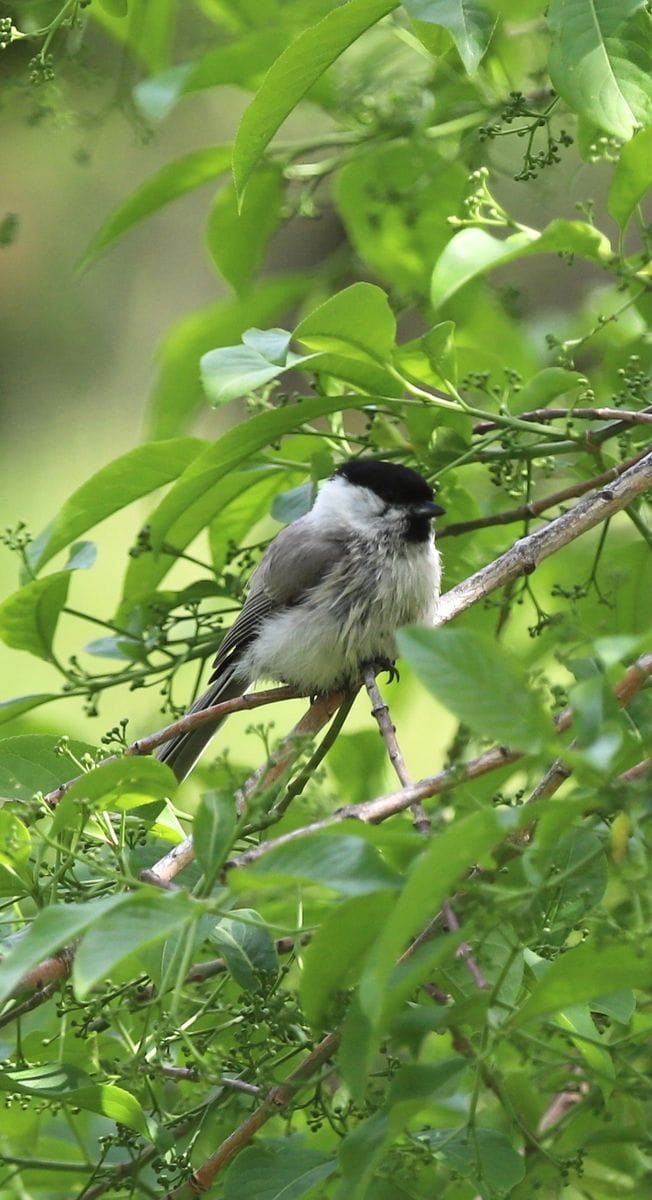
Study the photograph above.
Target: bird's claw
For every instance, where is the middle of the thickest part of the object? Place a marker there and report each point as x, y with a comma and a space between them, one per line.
378, 665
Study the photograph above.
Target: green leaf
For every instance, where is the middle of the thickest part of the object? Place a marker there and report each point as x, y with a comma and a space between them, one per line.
247, 945
15, 839
172, 181
334, 957
294, 73
234, 371
472, 252
178, 393
631, 178
213, 830
210, 504
128, 783
72, 1086
360, 1153
484, 1156
342, 862
357, 319
470, 25
547, 385
141, 920
11, 709
28, 618
395, 199
277, 1169
479, 683
242, 63
237, 241
234, 448
29, 764
416, 1084
600, 61
431, 879
588, 972
127, 478
51, 929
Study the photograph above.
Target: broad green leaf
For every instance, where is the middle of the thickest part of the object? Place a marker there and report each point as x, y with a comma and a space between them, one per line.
242, 63
395, 200
127, 478
479, 683
294, 73
29, 764
416, 1084
213, 830
547, 385
431, 879
141, 920
172, 181
247, 945
19, 705
358, 318
577, 1022
334, 957
115, 8
178, 394
130, 782
342, 862
472, 252
233, 449
277, 1169
82, 556
237, 241
234, 371
600, 61
50, 930
360, 1153
72, 1086
204, 504
485, 1156
28, 618
15, 839
469, 23
631, 178
587, 972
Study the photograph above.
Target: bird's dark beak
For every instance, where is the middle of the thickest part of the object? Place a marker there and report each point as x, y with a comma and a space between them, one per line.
428, 509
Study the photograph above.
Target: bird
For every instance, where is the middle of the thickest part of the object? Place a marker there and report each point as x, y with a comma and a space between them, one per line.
329, 594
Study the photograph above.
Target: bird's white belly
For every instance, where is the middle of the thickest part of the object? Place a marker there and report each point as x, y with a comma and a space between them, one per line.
350, 618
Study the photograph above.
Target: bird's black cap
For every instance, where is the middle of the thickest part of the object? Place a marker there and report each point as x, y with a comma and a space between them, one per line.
394, 483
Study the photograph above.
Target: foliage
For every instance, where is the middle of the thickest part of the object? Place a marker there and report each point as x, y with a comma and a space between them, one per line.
502, 1058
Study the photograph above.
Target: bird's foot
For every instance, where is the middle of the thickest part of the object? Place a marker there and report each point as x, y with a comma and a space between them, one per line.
380, 664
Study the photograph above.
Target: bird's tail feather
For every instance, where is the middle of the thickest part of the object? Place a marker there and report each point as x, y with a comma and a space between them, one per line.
181, 753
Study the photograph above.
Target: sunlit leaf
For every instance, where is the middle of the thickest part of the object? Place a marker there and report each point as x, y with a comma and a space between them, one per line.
294, 73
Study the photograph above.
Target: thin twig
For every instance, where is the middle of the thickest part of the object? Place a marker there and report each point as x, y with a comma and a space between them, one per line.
146, 745
163, 872
525, 555
528, 512
626, 416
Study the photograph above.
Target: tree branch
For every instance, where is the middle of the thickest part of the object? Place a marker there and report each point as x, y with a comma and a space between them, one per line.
528, 512
622, 415
525, 555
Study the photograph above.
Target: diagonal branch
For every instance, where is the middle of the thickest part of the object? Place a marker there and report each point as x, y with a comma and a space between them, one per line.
526, 553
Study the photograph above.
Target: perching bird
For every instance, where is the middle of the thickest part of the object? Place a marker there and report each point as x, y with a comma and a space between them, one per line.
329, 593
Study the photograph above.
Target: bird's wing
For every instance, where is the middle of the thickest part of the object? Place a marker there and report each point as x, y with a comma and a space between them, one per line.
295, 562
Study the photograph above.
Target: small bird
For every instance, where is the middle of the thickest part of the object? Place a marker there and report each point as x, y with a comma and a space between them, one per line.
329, 593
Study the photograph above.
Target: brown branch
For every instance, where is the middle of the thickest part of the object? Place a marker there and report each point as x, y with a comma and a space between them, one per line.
163, 872
146, 745
380, 711
378, 810
528, 512
276, 1099
621, 415
525, 555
